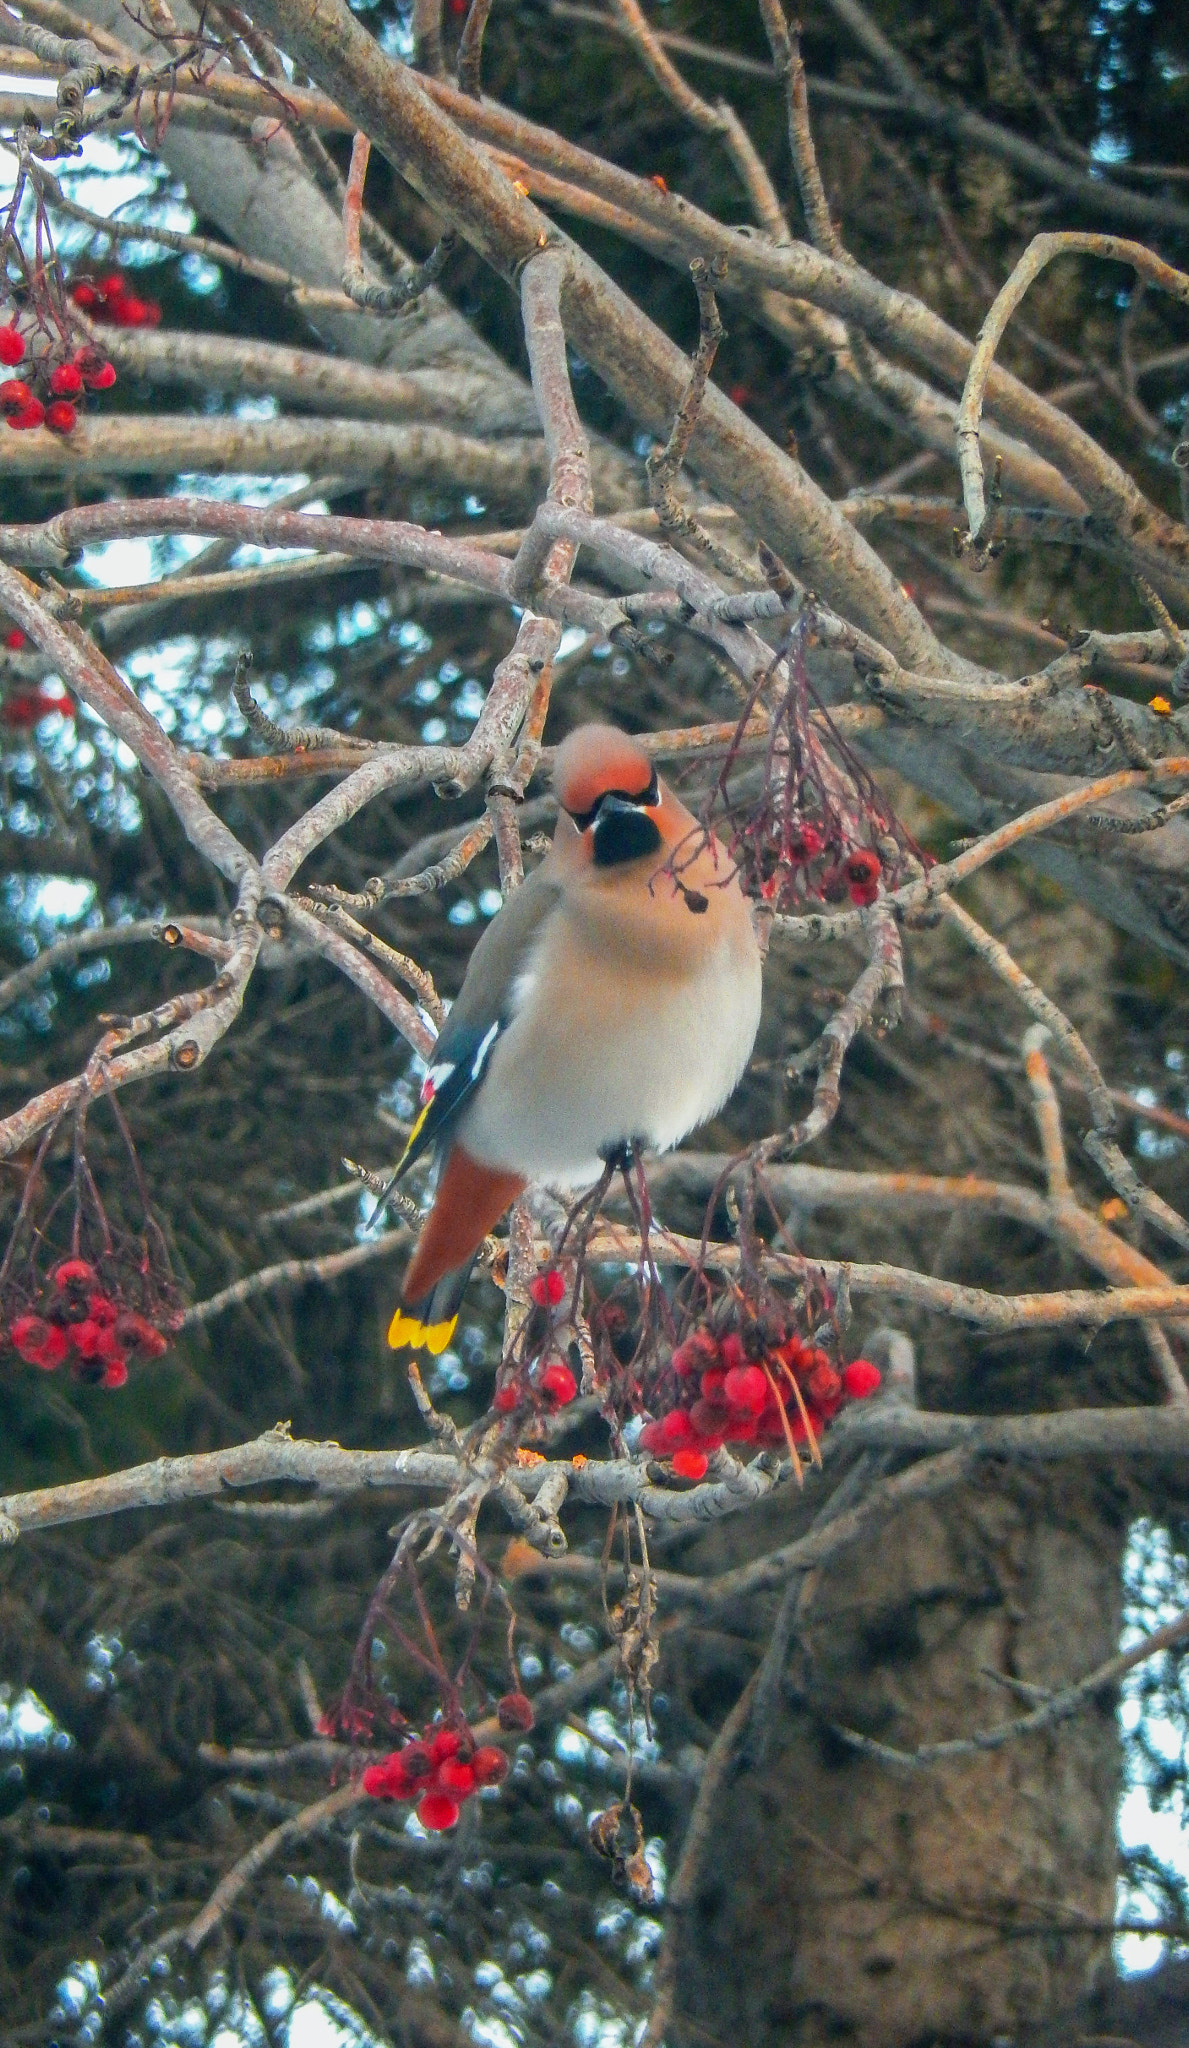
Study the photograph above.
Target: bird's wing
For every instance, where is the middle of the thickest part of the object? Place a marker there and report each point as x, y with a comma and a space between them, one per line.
485, 1007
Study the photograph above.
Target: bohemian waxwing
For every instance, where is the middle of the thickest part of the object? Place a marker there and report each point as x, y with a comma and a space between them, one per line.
609, 1000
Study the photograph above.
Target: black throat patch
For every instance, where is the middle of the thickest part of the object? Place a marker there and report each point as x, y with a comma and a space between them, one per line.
621, 833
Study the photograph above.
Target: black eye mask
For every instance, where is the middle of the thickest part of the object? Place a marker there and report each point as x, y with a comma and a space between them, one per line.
639, 799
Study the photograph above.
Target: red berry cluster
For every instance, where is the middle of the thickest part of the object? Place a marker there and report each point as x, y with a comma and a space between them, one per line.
62, 384
856, 875
553, 1378
731, 1390
440, 1771
29, 707
81, 1323
108, 299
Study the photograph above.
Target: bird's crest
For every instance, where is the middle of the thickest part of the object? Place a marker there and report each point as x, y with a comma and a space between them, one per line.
598, 761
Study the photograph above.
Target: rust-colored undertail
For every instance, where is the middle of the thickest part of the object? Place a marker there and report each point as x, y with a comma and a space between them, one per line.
470, 1199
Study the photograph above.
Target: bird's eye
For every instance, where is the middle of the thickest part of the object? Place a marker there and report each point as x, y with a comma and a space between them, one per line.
643, 799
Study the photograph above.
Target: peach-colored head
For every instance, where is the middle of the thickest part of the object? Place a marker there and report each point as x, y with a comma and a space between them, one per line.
594, 760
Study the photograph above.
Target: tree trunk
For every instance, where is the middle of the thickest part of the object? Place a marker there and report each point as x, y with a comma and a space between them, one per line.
847, 1900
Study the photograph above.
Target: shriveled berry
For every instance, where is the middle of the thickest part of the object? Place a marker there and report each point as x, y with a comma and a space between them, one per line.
690, 1464
136, 1333
66, 381
860, 1378
745, 1387
806, 844
514, 1712
709, 1424
61, 417
712, 1384
12, 346
559, 1383
437, 1812
489, 1765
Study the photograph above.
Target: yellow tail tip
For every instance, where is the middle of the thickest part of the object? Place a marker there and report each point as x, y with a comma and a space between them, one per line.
408, 1333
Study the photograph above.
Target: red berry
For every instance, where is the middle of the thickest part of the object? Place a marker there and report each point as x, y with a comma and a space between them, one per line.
456, 1778
115, 1373
861, 1378
742, 1428
677, 1430
824, 1384
805, 844
31, 415
74, 1270
111, 287
22, 710
447, 1742
489, 1766
507, 1397
99, 378
102, 1310
559, 1383
514, 1712
14, 639
732, 1351
437, 1812
745, 1387
12, 346
388, 1780
538, 1290
61, 417
84, 295
690, 1464
85, 1337
66, 381
712, 1388
27, 1332
14, 395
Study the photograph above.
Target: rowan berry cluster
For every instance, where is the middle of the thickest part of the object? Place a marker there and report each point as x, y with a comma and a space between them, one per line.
81, 1321
549, 1378
441, 1770
746, 1389
855, 874
61, 385
26, 708
108, 300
